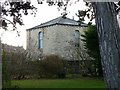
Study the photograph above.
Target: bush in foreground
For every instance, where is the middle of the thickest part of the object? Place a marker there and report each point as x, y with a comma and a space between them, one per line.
50, 67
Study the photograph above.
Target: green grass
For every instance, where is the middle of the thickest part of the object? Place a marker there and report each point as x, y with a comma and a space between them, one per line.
60, 83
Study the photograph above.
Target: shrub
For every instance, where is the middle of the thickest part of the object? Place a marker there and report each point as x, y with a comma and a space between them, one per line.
6, 82
52, 66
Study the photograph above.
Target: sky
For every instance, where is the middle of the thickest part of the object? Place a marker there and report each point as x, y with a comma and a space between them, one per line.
44, 14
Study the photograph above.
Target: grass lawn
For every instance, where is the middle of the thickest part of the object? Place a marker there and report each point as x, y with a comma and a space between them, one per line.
61, 83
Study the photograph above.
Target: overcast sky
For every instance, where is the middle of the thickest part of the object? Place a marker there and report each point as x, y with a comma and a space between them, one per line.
44, 13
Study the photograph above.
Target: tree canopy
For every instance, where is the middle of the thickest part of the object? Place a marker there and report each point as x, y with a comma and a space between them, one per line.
15, 10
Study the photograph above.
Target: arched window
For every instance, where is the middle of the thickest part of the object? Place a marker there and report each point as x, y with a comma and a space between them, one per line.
40, 39
77, 38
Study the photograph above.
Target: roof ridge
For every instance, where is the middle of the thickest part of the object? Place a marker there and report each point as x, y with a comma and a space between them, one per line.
60, 19
50, 20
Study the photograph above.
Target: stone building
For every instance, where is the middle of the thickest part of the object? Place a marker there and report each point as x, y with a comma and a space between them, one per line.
60, 36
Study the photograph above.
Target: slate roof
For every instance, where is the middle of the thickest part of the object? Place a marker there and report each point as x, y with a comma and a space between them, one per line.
59, 21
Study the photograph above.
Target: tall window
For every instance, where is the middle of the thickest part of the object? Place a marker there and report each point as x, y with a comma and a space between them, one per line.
77, 38
41, 40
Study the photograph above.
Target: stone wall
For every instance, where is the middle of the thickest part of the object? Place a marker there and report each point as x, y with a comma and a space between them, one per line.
57, 39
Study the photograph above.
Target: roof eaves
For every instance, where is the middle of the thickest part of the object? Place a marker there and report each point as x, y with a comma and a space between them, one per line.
52, 25
58, 24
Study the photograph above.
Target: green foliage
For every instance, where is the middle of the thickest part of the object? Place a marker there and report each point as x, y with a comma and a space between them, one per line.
91, 41
50, 67
19, 66
91, 44
6, 82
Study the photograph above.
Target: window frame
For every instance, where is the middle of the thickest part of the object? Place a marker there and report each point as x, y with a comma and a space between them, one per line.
40, 38
77, 38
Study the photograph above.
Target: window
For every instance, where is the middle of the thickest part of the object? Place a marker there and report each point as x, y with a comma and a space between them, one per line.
40, 40
77, 38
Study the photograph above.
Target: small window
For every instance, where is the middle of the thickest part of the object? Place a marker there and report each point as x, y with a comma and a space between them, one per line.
41, 40
77, 38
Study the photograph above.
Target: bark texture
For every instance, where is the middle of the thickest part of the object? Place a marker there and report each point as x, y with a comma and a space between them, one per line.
0, 52
109, 41
0, 66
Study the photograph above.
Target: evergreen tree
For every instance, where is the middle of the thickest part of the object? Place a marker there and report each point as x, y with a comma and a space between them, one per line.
91, 43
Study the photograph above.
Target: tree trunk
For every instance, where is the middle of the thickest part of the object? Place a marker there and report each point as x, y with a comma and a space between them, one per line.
109, 42
0, 53
0, 66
